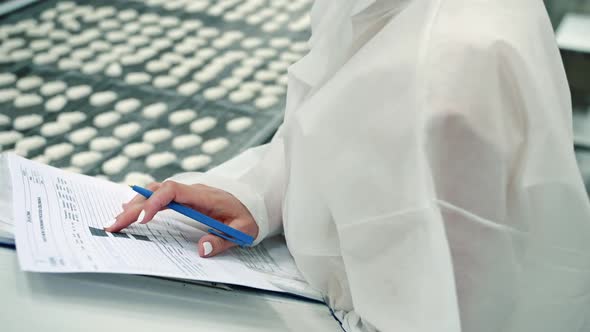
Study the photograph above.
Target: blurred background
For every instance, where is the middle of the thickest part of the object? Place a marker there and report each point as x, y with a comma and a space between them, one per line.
571, 19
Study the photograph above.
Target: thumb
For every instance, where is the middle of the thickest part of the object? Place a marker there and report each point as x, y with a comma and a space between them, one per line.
211, 245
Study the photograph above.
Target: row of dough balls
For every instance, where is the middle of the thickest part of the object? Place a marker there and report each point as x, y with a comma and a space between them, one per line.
115, 30
23, 98
117, 164
56, 103
272, 15
123, 131
206, 74
14, 49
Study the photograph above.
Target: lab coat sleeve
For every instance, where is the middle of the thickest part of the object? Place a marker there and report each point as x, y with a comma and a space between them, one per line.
454, 148
256, 178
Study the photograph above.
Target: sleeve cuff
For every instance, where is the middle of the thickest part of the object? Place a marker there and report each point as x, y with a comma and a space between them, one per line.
244, 193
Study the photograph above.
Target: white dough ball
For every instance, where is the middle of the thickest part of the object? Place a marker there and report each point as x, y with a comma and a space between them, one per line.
85, 159
274, 90
242, 72
82, 54
45, 58
102, 98
279, 66
72, 169
169, 21
140, 179
208, 32
7, 78
126, 130
156, 66
290, 57
58, 151
283, 80
136, 150
165, 81
115, 165
56, 103
156, 136
154, 110
106, 119
30, 143
202, 125
137, 78
71, 118
60, 50
152, 31
172, 58
41, 159
184, 142
181, 117
159, 160
83, 135
4, 120
26, 122
252, 62
230, 82
127, 105
138, 40
300, 47
27, 100
253, 86
215, 145
40, 44
8, 95
69, 64
52, 129
131, 59
280, 42
194, 163
78, 91
265, 102
180, 72
251, 42
215, 93
114, 70
104, 143
127, 15
239, 124
21, 55
188, 88
93, 67
52, 88
240, 96
9, 137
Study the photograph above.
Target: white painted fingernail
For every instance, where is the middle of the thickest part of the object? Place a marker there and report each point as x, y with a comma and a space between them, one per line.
141, 216
207, 248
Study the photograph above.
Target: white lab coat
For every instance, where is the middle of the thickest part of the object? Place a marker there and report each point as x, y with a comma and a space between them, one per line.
424, 176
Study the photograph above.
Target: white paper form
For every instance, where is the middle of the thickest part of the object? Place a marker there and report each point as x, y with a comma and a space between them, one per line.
59, 219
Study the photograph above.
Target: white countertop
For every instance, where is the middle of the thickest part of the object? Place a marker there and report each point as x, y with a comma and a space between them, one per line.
103, 302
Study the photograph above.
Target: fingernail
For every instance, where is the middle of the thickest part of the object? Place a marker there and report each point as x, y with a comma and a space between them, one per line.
207, 248
141, 217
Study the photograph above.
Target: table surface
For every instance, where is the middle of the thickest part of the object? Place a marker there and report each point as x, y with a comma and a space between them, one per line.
109, 302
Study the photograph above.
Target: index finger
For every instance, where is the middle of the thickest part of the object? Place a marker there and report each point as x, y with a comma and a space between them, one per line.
173, 191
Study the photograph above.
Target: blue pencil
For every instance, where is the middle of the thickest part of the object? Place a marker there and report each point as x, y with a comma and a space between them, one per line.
217, 228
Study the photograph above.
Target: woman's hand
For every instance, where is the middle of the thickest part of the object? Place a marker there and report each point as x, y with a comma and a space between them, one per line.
213, 202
